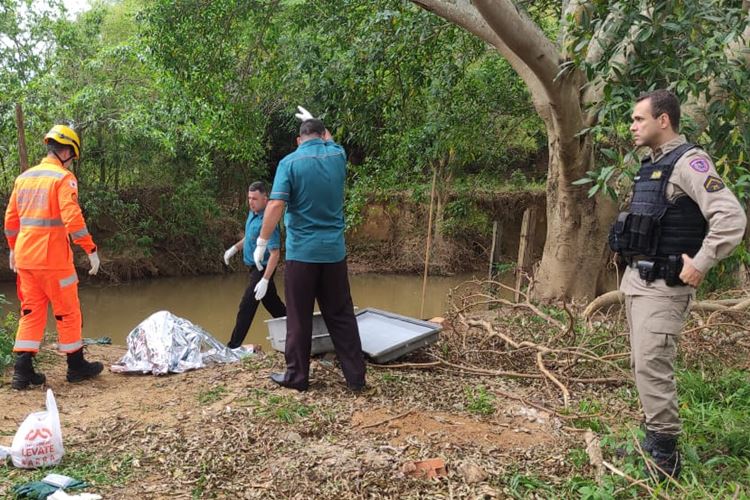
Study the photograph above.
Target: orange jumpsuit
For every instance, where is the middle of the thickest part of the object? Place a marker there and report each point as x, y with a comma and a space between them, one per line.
43, 210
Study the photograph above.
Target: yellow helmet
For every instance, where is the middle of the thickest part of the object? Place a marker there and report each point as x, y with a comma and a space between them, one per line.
65, 135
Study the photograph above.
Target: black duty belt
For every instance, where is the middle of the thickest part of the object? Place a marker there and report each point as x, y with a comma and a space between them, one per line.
650, 270
659, 268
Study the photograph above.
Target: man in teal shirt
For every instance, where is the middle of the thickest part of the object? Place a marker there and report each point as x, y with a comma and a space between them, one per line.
310, 183
261, 286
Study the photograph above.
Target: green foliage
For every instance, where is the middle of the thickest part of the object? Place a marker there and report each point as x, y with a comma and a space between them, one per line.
714, 406
463, 218
517, 178
8, 327
725, 274
199, 100
716, 411
677, 45
502, 268
479, 400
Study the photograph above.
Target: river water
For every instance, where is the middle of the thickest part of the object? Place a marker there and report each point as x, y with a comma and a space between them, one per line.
212, 301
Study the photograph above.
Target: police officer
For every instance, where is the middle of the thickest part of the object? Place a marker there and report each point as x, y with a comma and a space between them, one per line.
310, 182
681, 221
42, 215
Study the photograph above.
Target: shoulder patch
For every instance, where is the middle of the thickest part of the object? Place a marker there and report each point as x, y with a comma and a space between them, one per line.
713, 184
700, 164
73, 184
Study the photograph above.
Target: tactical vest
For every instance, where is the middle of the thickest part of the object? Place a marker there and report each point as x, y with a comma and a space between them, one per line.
655, 227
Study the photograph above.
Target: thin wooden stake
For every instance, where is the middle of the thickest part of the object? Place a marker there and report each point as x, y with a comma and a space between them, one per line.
492, 250
524, 247
23, 155
427, 247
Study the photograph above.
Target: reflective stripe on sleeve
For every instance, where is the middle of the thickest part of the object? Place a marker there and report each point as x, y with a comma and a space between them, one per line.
38, 222
41, 173
80, 233
11, 232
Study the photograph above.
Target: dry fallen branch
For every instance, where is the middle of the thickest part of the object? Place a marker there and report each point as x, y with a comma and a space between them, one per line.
634, 482
543, 369
617, 297
541, 351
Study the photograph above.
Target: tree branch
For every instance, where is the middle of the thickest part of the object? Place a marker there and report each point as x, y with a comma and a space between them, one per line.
524, 39
462, 13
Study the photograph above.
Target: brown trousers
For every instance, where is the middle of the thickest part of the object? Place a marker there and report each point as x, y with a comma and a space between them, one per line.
655, 323
304, 283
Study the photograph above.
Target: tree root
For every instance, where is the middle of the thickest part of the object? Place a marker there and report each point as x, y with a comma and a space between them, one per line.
617, 297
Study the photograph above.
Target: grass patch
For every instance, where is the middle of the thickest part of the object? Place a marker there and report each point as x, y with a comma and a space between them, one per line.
256, 362
715, 445
391, 378
97, 471
283, 408
212, 395
479, 401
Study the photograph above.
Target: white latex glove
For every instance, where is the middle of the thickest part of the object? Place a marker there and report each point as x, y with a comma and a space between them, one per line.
94, 260
231, 252
12, 261
260, 252
303, 114
261, 288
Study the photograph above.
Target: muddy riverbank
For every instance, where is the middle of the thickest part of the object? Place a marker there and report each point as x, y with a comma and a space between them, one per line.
390, 237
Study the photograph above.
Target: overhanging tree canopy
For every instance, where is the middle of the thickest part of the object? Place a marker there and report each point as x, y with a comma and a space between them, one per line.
582, 79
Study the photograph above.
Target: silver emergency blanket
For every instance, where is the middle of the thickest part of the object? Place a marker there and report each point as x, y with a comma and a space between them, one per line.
164, 343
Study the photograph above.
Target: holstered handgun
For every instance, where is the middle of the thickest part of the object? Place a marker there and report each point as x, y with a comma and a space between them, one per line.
647, 270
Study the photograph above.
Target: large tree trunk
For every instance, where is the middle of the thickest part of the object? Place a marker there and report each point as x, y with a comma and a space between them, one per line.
574, 257
574, 260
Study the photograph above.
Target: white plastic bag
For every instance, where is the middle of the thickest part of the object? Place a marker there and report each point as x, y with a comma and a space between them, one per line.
38, 442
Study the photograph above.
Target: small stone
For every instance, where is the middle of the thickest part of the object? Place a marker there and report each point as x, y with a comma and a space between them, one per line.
472, 473
408, 468
293, 437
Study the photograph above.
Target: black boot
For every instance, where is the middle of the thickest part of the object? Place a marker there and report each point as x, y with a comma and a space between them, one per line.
665, 455
647, 443
79, 369
24, 374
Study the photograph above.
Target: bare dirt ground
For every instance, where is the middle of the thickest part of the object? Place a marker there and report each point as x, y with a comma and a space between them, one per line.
228, 432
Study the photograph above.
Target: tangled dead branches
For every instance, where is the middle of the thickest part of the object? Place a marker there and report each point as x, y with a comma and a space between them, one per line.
490, 335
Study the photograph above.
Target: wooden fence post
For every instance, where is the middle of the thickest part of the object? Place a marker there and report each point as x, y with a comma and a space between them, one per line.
525, 247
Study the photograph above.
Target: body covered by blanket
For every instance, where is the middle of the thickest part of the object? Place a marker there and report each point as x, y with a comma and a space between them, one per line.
165, 343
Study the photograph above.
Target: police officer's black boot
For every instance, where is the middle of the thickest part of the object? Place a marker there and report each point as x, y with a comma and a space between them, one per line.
79, 369
647, 443
665, 455
24, 374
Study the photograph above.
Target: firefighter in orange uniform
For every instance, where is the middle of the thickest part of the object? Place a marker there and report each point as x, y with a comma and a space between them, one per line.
42, 215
